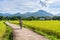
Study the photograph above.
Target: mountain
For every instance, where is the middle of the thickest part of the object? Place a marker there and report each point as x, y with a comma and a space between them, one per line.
9, 14
42, 13
5, 14
28, 14
1, 14
37, 14
17, 14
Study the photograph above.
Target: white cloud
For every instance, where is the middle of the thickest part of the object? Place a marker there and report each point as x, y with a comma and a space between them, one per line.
14, 6
19, 5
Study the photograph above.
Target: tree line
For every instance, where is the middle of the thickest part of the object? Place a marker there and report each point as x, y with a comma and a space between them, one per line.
30, 18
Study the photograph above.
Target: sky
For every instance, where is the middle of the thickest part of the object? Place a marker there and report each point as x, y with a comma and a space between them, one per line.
23, 6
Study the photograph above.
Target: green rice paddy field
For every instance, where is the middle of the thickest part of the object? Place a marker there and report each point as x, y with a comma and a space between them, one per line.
49, 29
5, 31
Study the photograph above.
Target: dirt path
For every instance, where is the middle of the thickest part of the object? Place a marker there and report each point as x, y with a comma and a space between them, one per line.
24, 34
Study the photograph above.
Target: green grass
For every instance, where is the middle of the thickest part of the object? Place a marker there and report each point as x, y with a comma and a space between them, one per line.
50, 29
5, 31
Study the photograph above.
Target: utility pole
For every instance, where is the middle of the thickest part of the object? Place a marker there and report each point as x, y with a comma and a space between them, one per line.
20, 21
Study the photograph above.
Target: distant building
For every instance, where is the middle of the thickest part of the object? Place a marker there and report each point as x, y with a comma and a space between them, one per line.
42, 18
